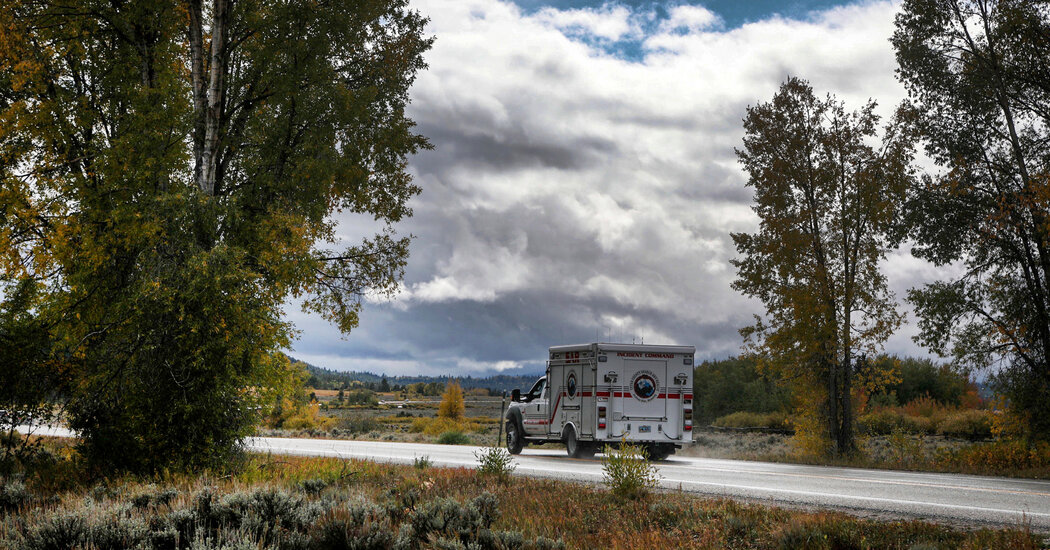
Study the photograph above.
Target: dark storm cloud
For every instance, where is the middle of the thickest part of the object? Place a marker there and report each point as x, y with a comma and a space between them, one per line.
509, 149
572, 193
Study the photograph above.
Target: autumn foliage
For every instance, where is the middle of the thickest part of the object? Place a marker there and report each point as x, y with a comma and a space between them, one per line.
827, 201
452, 405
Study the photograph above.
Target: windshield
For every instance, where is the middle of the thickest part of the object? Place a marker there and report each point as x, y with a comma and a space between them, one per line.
537, 389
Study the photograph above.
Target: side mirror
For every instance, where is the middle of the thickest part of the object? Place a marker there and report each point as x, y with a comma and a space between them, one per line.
515, 395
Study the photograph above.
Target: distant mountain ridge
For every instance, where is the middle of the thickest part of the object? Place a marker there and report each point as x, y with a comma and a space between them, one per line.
322, 378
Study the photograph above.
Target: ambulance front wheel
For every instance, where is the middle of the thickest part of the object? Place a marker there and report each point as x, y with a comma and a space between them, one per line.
515, 439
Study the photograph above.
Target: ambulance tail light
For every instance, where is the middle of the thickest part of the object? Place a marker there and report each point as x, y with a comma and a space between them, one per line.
601, 418
687, 414
688, 425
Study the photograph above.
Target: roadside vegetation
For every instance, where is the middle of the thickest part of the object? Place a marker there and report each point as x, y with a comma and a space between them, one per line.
929, 418
454, 416
298, 502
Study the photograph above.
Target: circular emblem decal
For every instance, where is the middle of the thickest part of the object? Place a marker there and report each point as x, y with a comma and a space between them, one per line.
645, 385
570, 385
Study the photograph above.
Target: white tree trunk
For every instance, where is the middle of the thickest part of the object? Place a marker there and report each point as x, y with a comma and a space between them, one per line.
209, 154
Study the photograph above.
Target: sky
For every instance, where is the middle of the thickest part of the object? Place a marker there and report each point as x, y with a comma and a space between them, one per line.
583, 183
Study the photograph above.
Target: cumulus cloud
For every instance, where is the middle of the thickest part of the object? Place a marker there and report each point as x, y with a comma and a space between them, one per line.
689, 19
576, 191
609, 22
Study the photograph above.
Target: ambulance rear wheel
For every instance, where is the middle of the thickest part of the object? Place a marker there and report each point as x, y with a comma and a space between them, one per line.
659, 452
576, 448
515, 439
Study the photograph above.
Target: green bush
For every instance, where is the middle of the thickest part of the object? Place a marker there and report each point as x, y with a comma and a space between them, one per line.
361, 397
453, 438
744, 419
627, 472
888, 421
13, 495
969, 424
495, 461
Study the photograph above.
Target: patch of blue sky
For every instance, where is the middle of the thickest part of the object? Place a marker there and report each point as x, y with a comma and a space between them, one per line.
648, 15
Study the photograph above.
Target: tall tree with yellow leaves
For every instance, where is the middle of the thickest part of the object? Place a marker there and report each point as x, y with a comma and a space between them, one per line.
826, 202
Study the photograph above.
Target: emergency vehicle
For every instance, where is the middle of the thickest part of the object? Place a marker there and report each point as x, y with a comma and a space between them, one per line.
597, 394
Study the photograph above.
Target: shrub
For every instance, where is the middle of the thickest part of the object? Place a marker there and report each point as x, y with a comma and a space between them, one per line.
360, 525
923, 406
13, 495
884, 422
744, 419
313, 486
496, 462
999, 457
59, 530
452, 405
439, 425
444, 518
358, 424
307, 417
627, 471
362, 397
422, 462
969, 424
453, 438
890, 420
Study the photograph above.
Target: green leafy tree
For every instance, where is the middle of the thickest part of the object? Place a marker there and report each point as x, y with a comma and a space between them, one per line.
32, 384
922, 377
978, 77
169, 171
825, 199
735, 384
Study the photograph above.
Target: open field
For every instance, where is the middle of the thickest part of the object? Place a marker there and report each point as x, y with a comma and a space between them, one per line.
395, 418
414, 420
281, 502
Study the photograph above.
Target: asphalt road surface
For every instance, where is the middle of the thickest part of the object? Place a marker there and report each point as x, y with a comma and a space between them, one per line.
951, 498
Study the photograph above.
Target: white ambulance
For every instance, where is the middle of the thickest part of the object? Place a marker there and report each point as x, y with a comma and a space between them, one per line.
598, 394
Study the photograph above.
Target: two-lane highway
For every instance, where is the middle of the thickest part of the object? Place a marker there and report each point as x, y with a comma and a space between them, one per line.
945, 497
953, 498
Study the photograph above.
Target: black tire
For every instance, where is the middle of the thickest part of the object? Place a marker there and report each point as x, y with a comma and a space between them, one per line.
573, 446
515, 438
659, 452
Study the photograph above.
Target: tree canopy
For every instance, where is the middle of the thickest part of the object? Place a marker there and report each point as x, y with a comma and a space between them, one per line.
978, 77
826, 201
169, 171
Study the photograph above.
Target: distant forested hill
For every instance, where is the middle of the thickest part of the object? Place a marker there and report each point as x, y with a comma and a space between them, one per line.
327, 379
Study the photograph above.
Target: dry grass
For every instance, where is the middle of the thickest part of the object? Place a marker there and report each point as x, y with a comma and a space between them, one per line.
898, 451
581, 516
